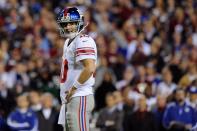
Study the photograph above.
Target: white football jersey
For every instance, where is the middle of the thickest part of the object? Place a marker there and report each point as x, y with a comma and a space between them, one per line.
82, 47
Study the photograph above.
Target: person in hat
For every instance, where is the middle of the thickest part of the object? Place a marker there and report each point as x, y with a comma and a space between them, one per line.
192, 97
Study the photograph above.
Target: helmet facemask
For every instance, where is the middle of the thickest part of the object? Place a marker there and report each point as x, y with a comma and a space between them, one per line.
69, 34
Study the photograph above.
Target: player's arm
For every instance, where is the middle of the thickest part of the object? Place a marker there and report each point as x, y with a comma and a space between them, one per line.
86, 54
88, 70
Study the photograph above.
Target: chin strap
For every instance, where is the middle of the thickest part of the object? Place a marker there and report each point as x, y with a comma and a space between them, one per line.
82, 29
75, 44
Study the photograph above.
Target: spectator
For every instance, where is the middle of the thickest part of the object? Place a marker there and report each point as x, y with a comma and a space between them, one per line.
112, 55
156, 56
141, 119
106, 87
47, 115
6, 98
118, 100
128, 76
158, 112
192, 98
100, 71
128, 103
150, 98
22, 118
138, 50
190, 76
4, 48
166, 87
109, 119
34, 99
179, 115
140, 78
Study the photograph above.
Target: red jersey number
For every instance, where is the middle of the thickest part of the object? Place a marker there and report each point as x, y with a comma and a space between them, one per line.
64, 70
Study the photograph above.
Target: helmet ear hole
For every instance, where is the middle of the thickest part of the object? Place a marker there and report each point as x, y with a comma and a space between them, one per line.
82, 18
81, 23
81, 27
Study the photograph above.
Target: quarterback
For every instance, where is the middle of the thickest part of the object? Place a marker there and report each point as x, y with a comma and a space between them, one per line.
78, 66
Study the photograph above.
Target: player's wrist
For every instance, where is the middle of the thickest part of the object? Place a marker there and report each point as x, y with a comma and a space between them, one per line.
74, 88
77, 84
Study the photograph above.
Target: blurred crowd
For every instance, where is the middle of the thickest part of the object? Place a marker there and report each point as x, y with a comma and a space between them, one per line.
146, 77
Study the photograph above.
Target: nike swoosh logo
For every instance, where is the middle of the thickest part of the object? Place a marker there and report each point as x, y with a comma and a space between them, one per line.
84, 40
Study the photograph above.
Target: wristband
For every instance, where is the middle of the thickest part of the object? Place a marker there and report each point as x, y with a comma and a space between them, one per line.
77, 84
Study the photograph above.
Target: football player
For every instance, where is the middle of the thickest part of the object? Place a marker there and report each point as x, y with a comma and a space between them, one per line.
78, 66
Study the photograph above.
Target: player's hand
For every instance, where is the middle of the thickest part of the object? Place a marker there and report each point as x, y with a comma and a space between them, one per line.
70, 93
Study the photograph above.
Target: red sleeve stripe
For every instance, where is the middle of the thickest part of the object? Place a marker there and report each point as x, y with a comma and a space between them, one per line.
84, 51
85, 54
85, 48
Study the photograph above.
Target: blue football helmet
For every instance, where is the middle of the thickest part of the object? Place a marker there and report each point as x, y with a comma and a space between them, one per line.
69, 15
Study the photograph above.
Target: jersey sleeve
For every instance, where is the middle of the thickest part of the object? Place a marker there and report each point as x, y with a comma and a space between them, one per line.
85, 49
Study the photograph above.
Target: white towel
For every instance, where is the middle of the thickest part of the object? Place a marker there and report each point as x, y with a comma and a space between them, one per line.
62, 115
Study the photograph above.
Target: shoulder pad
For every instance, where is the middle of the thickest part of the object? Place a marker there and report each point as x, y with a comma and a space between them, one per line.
84, 38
